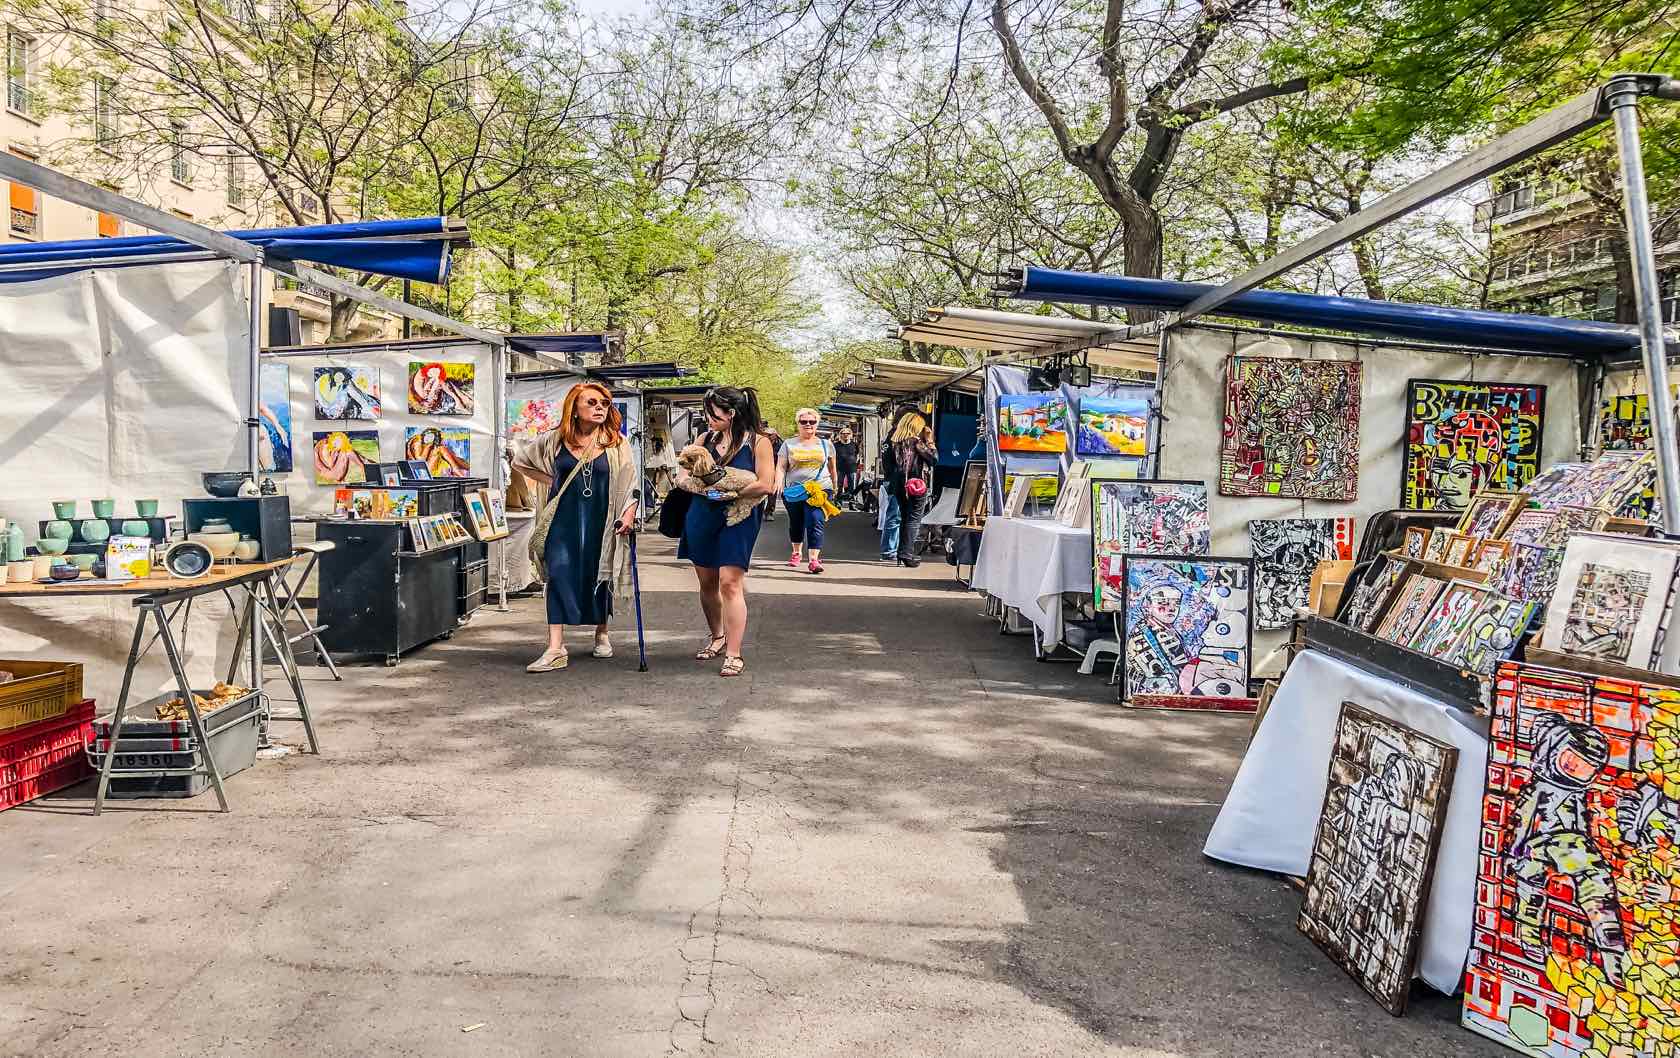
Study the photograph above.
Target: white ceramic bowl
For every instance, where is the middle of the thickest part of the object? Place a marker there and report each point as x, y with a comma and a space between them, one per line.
221, 545
247, 550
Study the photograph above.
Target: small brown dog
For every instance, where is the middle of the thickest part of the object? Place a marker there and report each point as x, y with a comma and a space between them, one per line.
702, 473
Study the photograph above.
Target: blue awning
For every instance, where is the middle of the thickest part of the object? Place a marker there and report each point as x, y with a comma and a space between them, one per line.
414, 249
558, 344
1431, 323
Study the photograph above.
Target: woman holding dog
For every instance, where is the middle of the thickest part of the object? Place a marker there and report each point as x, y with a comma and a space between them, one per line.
721, 552
806, 458
589, 508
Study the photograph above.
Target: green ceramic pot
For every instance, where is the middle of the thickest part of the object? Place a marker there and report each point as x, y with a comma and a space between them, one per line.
104, 508
136, 527
84, 562
64, 508
96, 530
146, 508
58, 529
52, 545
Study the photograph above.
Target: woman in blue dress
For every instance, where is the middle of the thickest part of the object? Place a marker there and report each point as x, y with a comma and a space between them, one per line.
721, 552
579, 546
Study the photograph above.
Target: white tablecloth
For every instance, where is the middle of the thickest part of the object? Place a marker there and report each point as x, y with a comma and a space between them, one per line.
1272, 810
1028, 563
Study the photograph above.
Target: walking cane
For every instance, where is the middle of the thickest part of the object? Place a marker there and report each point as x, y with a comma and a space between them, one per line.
636, 590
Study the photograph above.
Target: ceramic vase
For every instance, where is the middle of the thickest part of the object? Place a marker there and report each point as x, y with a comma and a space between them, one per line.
215, 525
96, 530
104, 508
14, 542
146, 508
247, 549
136, 527
65, 509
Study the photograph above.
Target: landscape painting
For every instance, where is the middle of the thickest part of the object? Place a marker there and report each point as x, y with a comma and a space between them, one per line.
1032, 422
1113, 426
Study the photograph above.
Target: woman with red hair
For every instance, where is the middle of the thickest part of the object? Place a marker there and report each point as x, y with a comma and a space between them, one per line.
578, 548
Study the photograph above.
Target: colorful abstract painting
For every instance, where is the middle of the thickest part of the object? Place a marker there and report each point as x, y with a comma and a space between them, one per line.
342, 457
1113, 427
348, 391
1529, 527
1185, 626
1492, 633
1411, 605
1611, 599
1032, 422
529, 419
1286, 550
1142, 517
1373, 855
1574, 947
274, 410
1624, 422
1605, 484
1448, 617
1365, 607
1291, 429
1529, 572
439, 388
1489, 513
446, 451
1468, 437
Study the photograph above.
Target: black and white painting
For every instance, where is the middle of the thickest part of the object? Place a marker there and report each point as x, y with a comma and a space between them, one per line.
1286, 551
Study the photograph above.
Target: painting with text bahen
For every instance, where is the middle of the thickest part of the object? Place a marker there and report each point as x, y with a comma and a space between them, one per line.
1575, 949
1286, 551
1373, 855
1186, 626
1468, 437
1291, 429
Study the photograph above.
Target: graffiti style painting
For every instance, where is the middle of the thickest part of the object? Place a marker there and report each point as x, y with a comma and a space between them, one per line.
348, 391
1032, 422
1603, 610
1611, 598
1371, 593
274, 410
1448, 618
447, 452
1468, 437
1142, 517
1411, 605
1113, 426
1489, 513
1286, 550
438, 388
1291, 429
529, 419
1624, 423
1492, 633
1529, 572
1186, 626
1373, 855
1577, 883
1529, 527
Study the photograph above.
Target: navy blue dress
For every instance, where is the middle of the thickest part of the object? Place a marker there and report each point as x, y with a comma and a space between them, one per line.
572, 552
708, 540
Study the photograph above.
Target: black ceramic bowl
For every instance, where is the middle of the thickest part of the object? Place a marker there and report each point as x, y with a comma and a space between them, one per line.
224, 484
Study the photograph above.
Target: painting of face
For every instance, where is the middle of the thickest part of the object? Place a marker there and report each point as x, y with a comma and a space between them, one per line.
347, 392
446, 451
439, 388
342, 456
1468, 437
1185, 626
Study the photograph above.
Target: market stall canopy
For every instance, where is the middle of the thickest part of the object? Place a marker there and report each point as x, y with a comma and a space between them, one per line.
1511, 331
560, 346
878, 380
642, 372
416, 249
1023, 334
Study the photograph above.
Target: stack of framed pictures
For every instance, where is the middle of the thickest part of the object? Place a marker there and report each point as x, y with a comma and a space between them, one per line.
435, 531
486, 514
376, 504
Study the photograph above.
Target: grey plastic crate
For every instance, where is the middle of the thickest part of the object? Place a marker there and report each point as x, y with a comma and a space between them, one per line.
232, 731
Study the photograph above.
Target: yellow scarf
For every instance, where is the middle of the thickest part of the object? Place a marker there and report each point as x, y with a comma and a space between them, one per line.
817, 496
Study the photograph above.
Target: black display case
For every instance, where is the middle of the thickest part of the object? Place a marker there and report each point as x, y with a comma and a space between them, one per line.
266, 519
379, 597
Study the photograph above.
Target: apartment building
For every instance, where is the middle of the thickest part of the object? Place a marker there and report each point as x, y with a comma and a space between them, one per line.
1551, 249
218, 192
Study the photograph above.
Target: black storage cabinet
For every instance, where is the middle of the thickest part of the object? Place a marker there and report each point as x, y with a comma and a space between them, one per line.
378, 597
267, 519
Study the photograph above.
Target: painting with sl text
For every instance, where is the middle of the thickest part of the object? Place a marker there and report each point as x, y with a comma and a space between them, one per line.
1291, 429
1185, 626
1573, 949
1468, 437
1286, 551
1373, 855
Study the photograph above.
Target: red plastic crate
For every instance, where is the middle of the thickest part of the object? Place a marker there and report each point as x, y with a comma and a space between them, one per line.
48, 755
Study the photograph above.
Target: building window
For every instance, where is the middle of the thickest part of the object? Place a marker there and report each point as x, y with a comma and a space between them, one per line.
110, 226
104, 112
26, 207
309, 204
178, 167
20, 73
235, 181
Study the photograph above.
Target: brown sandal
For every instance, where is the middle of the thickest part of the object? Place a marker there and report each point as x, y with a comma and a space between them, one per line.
732, 665
714, 647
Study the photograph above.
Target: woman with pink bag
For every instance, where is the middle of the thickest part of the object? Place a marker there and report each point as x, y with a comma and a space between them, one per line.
907, 461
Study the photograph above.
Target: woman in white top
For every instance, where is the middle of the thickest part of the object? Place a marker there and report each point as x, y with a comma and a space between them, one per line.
806, 457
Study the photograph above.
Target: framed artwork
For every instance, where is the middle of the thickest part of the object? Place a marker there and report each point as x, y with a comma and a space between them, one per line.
1436, 549
528, 419
1032, 422
1491, 635
416, 470
1624, 422
404, 503
478, 516
1113, 426
1568, 521
1042, 486
352, 503
1286, 551
1529, 572
446, 451
1575, 914
1611, 598
1599, 485
348, 391
1489, 513
1373, 855
1411, 605
1015, 503
1458, 549
496, 504
1073, 506
390, 476
342, 457
416, 539
1468, 437
439, 388
1185, 626
1529, 526
1291, 429
1370, 594
1142, 517
1488, 554
1447, 618
973, 492
1416, 541
274, 411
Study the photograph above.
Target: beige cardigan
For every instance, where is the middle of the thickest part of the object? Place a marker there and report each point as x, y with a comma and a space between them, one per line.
538, 456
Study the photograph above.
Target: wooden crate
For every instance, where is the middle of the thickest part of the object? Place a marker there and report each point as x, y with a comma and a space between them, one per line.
41, 691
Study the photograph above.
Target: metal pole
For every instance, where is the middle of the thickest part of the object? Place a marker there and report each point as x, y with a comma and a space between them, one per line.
1623, 97
253, 389
498, 389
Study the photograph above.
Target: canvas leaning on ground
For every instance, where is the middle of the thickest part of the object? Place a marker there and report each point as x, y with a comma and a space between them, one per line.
1142, 517
1186, 626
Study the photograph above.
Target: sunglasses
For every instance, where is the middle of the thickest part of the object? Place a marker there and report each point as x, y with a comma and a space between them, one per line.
807, 422
594, 402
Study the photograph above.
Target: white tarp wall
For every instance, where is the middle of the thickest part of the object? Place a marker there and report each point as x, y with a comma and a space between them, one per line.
391, 362
127, 383
555, 389
1193, 402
